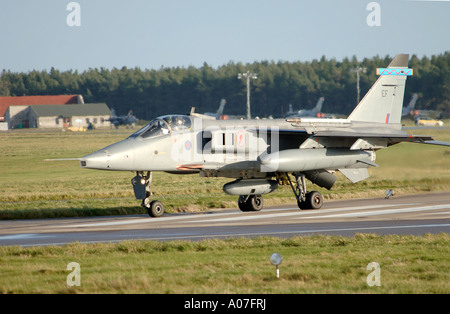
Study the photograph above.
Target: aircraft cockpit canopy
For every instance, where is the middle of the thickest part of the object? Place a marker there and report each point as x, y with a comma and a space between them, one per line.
163, 126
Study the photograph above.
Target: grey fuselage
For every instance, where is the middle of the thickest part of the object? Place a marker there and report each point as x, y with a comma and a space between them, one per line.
244, 148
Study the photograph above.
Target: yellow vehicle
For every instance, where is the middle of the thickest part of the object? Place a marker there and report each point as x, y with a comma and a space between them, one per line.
426, 122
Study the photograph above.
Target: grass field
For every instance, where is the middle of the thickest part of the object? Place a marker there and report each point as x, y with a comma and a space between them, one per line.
315, 264
31, 187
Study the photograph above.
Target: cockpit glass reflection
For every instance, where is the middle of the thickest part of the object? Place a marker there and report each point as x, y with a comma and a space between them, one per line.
164, 125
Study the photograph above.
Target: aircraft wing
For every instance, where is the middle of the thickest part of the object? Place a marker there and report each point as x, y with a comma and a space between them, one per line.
354, 139
389, 137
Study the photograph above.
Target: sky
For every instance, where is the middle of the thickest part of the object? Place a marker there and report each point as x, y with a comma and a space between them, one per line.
150, 34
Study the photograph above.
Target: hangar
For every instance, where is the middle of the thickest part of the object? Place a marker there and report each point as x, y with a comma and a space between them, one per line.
54, 111
54, 116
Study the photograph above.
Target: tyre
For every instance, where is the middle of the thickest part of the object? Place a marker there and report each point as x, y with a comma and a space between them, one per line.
314, 200
156, 209
255, 203
243, 206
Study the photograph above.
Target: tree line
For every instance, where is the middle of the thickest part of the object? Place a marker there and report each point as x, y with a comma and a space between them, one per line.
154, 92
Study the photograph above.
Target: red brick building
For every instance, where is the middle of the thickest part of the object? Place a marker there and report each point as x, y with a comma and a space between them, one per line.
14, 108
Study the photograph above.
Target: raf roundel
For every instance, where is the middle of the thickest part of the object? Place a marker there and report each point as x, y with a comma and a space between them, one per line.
187, 145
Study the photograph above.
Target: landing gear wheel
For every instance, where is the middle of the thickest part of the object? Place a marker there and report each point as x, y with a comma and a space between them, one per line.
302, 205
305, 200
314, 200
156, 209
242, 203
255, 203
250, 203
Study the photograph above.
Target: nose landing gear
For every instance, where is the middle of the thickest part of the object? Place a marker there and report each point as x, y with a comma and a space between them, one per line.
141, 185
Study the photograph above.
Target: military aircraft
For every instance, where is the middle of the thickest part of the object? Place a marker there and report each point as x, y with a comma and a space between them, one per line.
219, 112
408, 109
314, 112
258, 152
127, 120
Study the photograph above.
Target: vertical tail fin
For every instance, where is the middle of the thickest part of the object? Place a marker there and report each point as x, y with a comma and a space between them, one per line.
319, 104
384, 101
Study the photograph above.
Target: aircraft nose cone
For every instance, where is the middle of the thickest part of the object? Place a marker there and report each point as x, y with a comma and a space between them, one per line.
97, 160
118, 156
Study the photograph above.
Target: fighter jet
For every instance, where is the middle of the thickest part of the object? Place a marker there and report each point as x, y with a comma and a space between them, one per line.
255, 153
219, 112
127, 120
408, 109
314, 112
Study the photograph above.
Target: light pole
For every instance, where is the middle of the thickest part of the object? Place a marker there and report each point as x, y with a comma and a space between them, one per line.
357, 70
248, 76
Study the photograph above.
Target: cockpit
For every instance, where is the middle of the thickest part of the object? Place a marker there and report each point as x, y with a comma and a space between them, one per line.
164, 125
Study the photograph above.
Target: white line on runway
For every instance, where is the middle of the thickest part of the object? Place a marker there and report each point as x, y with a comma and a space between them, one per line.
230, 235
221, 217
299, 213
384, 212
218, 216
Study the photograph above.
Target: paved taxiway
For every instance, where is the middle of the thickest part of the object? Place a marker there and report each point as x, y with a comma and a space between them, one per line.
413, 214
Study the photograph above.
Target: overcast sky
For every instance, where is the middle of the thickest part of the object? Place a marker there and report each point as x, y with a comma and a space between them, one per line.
36, 35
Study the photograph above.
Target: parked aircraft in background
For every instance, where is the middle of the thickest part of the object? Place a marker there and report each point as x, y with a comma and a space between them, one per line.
259, 153
313, 113
218, 114
128, 120
408, 110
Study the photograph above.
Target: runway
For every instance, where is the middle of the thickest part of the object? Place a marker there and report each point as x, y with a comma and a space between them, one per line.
413, 214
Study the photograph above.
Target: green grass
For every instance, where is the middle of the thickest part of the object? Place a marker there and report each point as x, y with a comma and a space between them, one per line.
31, 187
315, 264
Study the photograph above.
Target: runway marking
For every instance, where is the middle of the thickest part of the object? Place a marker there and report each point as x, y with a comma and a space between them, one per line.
276, 213
261, 215
138, 220
22, 236
310, 231
384, 212
186, 237
200, 217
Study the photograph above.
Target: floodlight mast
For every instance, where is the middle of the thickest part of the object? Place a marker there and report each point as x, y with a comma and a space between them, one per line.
248, 76
357, 70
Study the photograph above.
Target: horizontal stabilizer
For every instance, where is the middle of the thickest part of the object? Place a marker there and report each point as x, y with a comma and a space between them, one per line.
433, 142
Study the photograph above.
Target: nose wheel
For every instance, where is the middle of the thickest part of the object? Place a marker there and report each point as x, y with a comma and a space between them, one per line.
154, 208
141, 185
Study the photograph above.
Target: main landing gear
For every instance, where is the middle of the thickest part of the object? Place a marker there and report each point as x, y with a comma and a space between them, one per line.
141, 184
250, 203
305, 200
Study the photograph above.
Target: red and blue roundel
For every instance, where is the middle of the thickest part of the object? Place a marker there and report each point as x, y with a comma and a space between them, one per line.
188, 145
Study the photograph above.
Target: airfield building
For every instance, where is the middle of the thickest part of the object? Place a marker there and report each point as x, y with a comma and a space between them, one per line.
60, 111
51, 116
